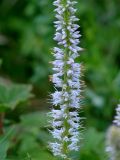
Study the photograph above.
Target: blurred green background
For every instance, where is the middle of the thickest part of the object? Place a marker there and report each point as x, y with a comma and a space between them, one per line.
26, 40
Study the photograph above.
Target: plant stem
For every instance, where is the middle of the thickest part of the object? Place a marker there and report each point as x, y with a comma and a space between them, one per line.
1, 123
65, 79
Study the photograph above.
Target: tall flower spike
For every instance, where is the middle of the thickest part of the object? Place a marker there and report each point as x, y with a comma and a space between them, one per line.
66, 79
113, 138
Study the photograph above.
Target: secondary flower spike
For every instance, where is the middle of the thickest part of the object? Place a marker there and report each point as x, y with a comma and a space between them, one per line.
113, 138
117, 117
66, 79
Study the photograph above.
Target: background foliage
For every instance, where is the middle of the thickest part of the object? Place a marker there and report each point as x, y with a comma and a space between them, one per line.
26, 40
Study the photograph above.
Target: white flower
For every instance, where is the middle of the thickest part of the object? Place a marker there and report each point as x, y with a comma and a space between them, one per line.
66, 78
117, 117
57, 98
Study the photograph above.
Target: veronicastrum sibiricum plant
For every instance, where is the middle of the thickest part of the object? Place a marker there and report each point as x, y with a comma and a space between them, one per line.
66, 79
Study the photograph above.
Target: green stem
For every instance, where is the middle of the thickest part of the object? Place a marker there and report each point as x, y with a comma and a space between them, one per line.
65, 79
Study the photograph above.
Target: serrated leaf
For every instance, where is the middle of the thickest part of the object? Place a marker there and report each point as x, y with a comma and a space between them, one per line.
14, 94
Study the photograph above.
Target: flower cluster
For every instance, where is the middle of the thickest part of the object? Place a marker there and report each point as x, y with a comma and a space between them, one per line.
117, 117
66, 79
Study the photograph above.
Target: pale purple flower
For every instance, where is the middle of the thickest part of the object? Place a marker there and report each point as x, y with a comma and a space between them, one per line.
66, 78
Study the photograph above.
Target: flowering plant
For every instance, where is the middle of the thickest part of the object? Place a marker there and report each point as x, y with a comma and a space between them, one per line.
66, 78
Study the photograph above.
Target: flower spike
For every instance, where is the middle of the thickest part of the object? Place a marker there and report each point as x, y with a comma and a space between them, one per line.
66, 79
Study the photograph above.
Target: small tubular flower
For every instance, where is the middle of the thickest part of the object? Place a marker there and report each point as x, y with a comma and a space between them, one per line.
66, 79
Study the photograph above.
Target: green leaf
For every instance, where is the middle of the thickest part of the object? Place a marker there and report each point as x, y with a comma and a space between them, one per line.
13, 95
4, 144
93, 139
94, 147
36, 119
34, 137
